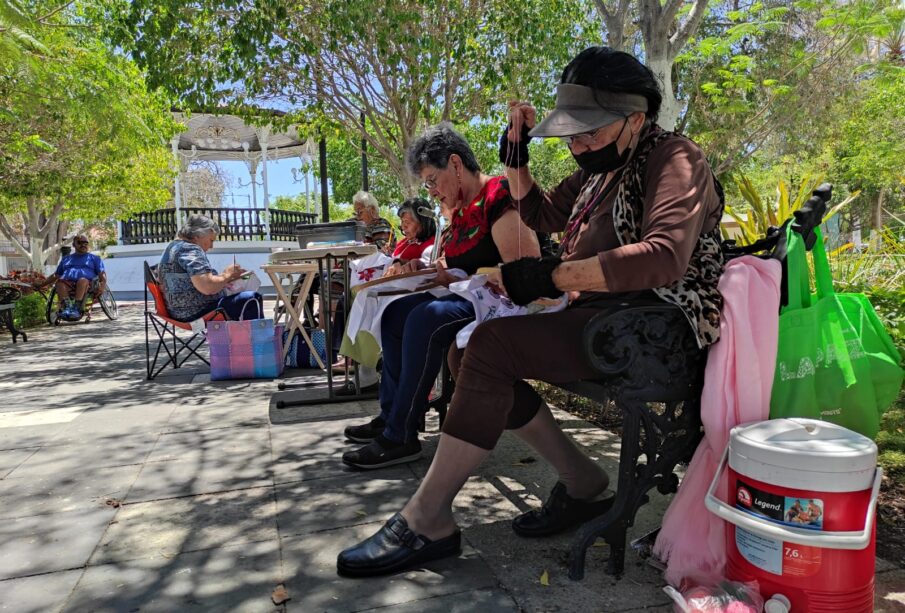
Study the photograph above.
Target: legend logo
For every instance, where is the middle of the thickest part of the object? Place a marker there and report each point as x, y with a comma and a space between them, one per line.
744, 496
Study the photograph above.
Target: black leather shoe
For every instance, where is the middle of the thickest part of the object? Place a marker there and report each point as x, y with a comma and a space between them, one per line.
365, 433
559, 513
395, 548
381, 453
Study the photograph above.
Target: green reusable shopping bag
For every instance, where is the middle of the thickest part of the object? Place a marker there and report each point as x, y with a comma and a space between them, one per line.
835, 361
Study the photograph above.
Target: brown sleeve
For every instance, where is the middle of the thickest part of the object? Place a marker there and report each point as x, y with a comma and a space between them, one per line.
680, 202
550, 211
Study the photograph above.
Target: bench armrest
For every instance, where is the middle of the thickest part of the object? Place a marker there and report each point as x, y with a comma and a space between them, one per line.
647, 351
9, 294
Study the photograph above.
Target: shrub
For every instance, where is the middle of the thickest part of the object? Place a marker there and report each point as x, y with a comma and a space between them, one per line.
891, 439
761, 215
30, 311
890, 307
893, 463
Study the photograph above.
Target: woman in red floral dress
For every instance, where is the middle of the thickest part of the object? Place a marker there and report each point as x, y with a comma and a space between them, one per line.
419, 233
484, 230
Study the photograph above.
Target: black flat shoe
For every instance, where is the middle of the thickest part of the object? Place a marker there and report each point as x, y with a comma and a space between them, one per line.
395, 548
560, 513
365, 433
381, 453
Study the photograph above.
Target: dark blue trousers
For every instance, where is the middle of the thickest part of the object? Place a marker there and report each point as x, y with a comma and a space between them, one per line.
415, 334
234, 305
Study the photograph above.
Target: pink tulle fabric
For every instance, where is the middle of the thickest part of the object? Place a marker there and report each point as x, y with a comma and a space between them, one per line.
737, 384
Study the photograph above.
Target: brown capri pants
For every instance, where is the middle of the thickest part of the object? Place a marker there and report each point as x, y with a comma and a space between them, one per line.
491, 394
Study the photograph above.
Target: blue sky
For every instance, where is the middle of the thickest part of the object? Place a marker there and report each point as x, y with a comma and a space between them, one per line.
279, 180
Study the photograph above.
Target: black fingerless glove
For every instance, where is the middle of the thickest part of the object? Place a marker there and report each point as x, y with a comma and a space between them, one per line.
514, 155
528, 279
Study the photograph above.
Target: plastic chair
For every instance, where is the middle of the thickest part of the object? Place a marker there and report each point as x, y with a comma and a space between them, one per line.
165, 328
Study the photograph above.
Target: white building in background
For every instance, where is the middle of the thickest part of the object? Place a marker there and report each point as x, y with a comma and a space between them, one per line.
10, 259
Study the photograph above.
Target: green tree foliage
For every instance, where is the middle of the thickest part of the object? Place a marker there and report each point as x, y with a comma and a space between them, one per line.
80, 138
871, 143
339, 211
402, 63
767, 76
779, 90
344, 171
867, 144
551, 162
16, 41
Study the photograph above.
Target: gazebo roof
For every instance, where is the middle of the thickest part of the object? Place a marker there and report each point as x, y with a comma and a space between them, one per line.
216, 137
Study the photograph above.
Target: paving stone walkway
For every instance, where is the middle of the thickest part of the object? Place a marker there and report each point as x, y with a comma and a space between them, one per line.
123, 495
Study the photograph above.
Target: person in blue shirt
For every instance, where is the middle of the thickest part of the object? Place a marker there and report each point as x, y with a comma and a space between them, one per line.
76, 275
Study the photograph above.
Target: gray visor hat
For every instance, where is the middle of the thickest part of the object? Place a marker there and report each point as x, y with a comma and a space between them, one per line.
582, 109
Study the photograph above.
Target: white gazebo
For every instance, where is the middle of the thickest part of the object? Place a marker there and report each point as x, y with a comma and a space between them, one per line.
219, 138
250, 235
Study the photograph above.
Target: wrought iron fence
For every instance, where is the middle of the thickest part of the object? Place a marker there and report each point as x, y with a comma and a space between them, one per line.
282, 223
236, 224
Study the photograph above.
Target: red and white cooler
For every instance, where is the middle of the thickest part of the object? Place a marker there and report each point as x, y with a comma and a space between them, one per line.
800, 518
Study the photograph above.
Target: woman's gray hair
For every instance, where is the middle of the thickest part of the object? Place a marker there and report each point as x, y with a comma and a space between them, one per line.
367, 199
196, 226
434, 146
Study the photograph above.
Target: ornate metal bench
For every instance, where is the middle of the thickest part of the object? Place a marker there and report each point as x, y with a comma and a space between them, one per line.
653, 371
654, 374
8, 297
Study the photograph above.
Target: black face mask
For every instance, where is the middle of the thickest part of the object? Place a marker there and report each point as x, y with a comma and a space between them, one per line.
605, 159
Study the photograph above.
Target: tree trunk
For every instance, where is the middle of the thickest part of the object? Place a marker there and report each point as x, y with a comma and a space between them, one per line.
54, 242
36, 246
877, 217
664, 38
661, 65
613, 18
876, 223
44, 238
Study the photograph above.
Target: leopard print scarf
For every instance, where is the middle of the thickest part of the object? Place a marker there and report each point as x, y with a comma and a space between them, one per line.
696, 293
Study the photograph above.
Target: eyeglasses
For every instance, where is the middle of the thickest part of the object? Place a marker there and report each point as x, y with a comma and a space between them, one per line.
431, 182
585, 138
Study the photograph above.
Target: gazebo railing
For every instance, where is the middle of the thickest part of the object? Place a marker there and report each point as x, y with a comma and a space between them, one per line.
235, 224
282, 223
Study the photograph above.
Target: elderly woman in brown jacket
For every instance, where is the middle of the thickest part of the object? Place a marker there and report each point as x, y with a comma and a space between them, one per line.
640, 220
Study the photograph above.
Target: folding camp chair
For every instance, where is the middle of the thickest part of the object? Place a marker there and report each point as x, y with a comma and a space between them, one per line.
177, 349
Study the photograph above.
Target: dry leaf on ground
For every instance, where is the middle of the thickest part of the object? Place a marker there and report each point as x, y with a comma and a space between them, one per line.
279, 595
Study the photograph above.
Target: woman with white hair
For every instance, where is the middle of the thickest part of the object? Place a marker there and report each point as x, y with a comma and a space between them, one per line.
377, 229
379, 232
192, 287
